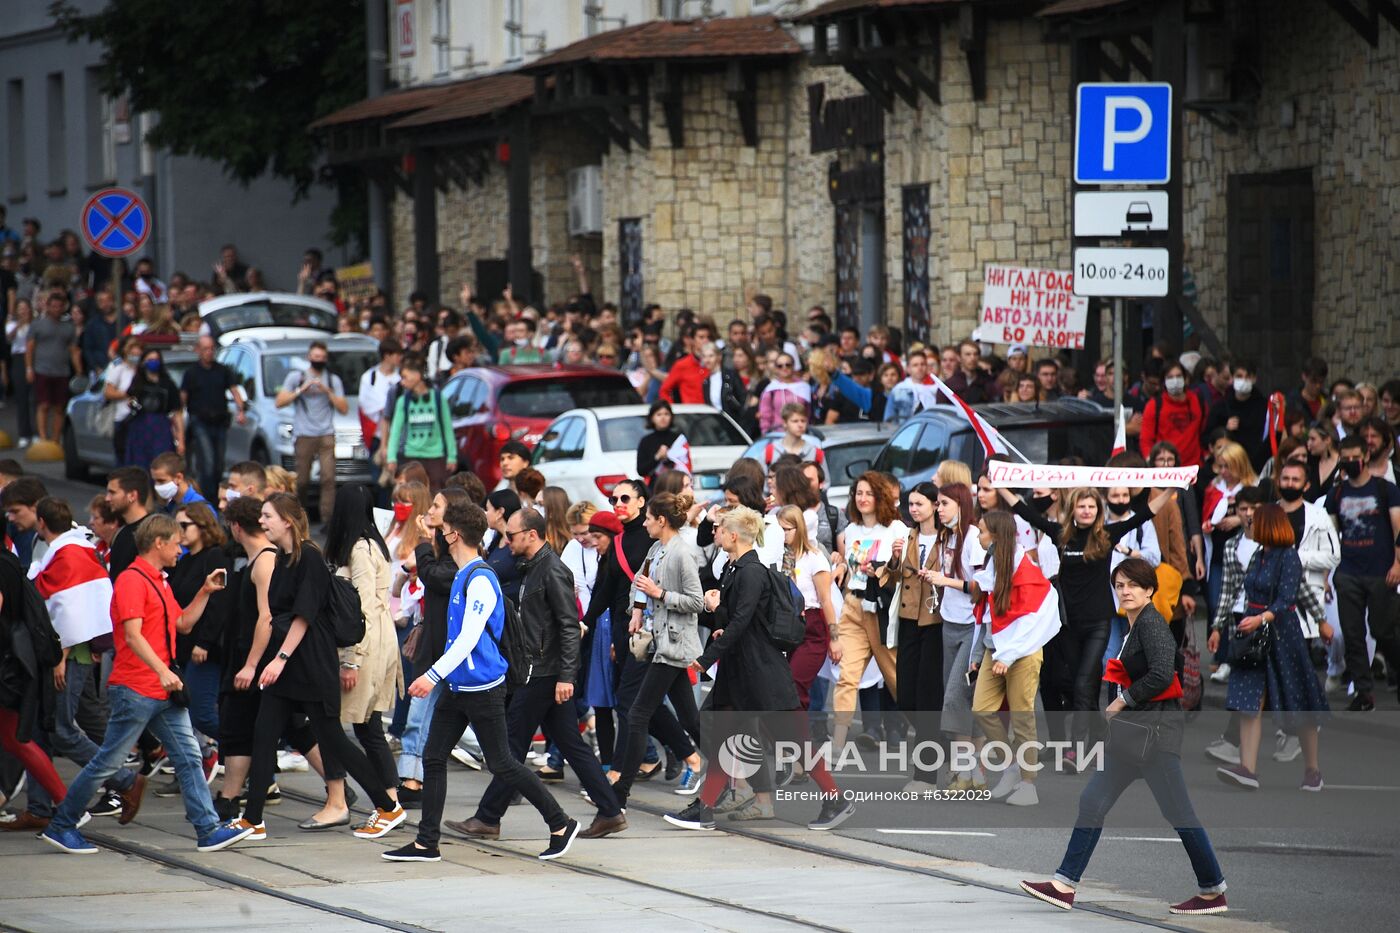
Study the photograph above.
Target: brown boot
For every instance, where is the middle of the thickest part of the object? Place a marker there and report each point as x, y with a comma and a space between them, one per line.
474, 828
131, 800
604, 826
25, 822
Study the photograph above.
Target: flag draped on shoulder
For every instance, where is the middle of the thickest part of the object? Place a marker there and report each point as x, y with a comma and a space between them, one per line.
991, 439
1031, 619
75, 587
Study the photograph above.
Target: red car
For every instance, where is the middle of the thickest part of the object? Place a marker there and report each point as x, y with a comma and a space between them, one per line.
494, 404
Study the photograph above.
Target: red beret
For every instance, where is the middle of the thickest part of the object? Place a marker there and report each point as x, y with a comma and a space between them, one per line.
605, 521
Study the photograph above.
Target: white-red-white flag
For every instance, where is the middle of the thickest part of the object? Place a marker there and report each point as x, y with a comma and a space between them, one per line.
75, 587
1120, 435
992, 440
679, 455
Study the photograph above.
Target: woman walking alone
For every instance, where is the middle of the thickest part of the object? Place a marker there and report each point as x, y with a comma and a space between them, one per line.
1148, 697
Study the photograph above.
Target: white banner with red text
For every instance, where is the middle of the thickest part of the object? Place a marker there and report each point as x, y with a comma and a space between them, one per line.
1003, 475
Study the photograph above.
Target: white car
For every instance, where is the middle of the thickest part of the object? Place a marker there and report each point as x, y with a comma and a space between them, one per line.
275, 315
588, 451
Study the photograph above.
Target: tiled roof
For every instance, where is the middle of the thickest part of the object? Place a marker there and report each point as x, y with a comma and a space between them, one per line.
392, 104
832, 7
476, 97
659, 40
1068, 7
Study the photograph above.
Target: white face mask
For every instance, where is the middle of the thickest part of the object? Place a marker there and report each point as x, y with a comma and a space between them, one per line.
1244, 386
231, 494
1174, 384
166, 490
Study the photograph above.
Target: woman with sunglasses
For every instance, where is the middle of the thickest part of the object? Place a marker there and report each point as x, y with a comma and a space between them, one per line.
654, 446
500, 506
614, 595
203, 539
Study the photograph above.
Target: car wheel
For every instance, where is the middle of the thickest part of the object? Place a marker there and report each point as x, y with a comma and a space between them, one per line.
73, 466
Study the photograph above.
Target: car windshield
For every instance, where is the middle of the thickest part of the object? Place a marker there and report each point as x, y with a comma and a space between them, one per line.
701, 429
549, 398
269, 314
349, 365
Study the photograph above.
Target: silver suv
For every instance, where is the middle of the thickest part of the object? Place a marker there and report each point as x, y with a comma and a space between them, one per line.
262, 366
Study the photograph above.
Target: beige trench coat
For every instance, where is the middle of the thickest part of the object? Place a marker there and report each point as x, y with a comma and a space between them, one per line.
380, 682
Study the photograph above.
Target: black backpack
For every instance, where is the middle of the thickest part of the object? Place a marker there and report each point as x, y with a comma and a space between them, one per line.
519, 665
343, 609
48, 650
785, 624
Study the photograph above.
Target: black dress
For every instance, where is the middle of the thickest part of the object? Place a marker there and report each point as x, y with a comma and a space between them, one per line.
186, 578
238, 631
300, 589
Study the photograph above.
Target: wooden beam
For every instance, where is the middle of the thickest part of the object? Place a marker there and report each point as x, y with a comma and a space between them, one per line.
1366, 24
972, 39
669, 91
889, 73
1133, 56
1116, 70
1389, 9
425, 250
519, 250
742, 87
871, 82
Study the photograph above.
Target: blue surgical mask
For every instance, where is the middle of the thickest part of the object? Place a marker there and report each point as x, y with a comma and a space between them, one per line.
152, 366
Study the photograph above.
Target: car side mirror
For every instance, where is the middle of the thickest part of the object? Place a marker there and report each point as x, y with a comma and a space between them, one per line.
855, 468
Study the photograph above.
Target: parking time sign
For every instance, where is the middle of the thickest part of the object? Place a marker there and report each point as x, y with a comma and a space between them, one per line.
1122, 134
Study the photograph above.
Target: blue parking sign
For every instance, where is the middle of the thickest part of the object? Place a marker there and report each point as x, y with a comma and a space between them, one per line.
1122, 134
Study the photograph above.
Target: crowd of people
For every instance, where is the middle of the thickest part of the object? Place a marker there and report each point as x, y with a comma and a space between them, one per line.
491, 615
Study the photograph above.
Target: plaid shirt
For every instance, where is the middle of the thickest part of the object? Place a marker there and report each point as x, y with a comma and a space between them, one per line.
1306, 602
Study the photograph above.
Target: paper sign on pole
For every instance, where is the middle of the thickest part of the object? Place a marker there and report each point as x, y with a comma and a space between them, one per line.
1037, 307
1004, 475
356, 282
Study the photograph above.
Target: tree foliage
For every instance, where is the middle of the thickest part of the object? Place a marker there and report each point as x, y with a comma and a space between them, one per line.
237, 81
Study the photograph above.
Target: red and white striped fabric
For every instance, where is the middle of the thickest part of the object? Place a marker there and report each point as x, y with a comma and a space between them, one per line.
1120, 435
75, 587
992, 441
679, 455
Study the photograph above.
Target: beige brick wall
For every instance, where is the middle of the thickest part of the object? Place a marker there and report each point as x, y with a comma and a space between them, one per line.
1346, 98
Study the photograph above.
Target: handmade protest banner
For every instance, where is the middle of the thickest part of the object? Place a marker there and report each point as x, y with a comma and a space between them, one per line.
356, 282
1037, 307
1003, 475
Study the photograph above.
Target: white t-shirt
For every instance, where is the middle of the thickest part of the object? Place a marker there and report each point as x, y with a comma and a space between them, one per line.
119, 375
926, 545
18, 336
957, 606
583, 564
865, 544
374, 392
804, 574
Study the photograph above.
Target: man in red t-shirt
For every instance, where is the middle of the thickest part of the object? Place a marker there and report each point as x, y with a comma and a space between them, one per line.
144, 692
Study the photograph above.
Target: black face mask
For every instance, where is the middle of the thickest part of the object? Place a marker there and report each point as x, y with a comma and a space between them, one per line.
1119, 508
1290, 494
1042, 503
1352, 468
318, 365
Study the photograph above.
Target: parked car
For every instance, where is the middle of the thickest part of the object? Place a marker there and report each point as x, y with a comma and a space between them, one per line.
276, 315
494, 404
845, 445
1045, 432
88, 446
588, 451
262, 365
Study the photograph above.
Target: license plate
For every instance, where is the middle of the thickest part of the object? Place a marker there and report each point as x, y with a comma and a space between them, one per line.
344, 451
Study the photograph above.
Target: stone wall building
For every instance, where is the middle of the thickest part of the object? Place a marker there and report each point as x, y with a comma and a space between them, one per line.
873, 156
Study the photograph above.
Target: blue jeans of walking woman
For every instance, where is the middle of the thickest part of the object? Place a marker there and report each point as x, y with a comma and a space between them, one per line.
1164, 777
132, 714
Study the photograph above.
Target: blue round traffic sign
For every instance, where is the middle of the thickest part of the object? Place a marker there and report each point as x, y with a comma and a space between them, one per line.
116, 222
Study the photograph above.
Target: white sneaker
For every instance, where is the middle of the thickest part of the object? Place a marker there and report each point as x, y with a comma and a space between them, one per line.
292, 761
1009, 779
464, 757
1287, 747
1221, 674
1334, 683
1222, 750
1024, 795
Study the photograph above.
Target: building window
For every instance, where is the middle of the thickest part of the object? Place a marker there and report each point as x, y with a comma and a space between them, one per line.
515, 27
442, 38
16, 175
57, 135
101, 132
629, 269
915, 211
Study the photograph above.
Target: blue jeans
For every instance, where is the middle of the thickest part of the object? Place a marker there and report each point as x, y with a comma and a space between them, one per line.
208, 442
132, 714
202, 682
415, 735
71, 742
1165, 779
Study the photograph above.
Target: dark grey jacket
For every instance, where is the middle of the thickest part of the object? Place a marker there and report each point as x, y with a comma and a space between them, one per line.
549, 615
1149, 659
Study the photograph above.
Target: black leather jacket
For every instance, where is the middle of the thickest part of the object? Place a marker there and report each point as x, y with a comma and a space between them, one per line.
549, 615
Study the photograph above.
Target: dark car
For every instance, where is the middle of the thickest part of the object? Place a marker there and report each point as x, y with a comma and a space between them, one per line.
494, 404
1046, 432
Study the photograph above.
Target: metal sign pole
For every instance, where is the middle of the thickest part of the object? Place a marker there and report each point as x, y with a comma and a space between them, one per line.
117, 289
1117, 360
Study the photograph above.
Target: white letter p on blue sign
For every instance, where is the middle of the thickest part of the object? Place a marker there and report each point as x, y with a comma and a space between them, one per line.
1123, 134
